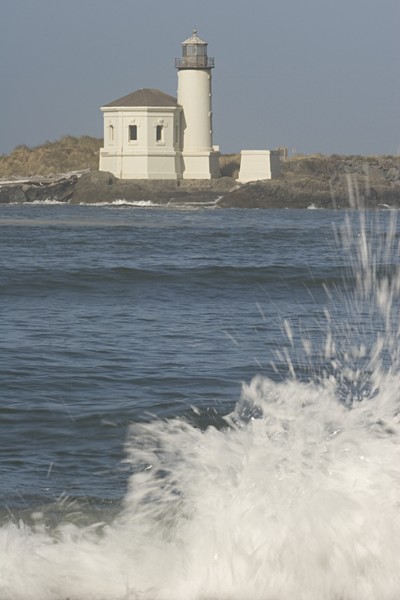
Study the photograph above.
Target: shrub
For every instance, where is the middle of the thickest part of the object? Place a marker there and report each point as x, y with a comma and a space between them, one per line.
67, 154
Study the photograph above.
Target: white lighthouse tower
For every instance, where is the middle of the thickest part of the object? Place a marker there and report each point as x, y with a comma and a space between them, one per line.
200, 160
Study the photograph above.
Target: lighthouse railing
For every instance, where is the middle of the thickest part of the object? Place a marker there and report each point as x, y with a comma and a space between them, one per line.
194, 62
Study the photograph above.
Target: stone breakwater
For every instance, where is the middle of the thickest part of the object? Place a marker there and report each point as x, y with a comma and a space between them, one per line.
315, 181
38, 189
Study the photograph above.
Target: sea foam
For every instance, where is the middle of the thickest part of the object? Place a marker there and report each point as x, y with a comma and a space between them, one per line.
296, 496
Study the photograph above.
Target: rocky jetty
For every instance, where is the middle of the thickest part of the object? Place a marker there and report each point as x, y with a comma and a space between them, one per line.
308, 181
325, 182
38, 189
94, 187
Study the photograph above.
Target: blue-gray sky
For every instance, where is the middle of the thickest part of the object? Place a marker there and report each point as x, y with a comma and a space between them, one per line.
312, 75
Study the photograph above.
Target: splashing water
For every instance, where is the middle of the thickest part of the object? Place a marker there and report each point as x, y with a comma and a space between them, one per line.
298, 496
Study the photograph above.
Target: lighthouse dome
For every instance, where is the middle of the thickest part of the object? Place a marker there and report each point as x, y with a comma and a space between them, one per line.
194, 39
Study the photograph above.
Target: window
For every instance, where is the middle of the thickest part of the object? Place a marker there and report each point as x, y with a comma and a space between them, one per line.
132, 133
192, 50
159, 133
111, 133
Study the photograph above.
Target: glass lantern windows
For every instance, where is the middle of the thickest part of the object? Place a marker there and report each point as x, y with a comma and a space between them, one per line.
194, 50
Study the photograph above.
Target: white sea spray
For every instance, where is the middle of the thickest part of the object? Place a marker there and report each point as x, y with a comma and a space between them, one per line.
298, 496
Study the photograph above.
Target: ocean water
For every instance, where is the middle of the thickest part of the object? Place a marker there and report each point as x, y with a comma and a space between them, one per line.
199, 404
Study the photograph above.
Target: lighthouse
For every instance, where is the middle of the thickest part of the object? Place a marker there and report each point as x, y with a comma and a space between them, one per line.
199, 157
151, 135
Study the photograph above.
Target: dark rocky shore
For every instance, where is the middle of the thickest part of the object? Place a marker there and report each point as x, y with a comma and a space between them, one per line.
314, 181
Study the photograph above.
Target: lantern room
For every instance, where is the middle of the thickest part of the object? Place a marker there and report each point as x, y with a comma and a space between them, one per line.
194, 54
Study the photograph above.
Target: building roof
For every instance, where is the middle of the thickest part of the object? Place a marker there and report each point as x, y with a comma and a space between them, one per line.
145, 97
194, 39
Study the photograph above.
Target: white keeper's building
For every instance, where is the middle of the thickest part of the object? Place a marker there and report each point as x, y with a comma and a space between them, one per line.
151, 135
142, 136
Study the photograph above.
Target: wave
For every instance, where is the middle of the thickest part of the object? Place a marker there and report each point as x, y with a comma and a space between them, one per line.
47, 202
124, 203
294, 495
86, 278
297, 496
176, 204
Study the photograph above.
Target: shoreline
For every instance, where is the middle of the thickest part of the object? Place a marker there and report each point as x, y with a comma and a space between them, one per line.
334, 182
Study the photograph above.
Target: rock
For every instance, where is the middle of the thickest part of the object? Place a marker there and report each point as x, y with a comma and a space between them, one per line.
393, 174
11, 194
101, 187
61, 191
318, 181
39, 190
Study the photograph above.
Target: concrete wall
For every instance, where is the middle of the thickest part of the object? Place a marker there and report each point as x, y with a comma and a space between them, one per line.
256, 165
200, 165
